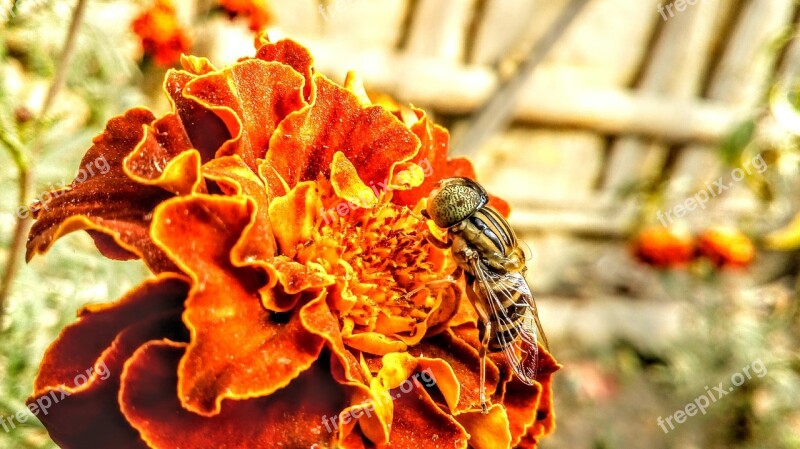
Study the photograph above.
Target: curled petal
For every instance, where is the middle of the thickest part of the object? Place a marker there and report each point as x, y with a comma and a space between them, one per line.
367, 393
289, 52
241, 350
545, 422
77, 385
417, 420
347, 185
295, 216
293, 417
288, 279
104, 199
487, 431
432, 155
251, 97
163, 158
234, 177
197, 65
464, 361
81, 344
520, 401
206, 131
370, 137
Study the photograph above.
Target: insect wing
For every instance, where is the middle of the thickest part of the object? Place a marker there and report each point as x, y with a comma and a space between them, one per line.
515, 313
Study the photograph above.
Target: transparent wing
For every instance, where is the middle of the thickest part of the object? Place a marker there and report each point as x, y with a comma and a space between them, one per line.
514, 309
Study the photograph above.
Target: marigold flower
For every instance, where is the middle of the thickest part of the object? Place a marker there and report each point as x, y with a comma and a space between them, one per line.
663, 247
294, 302
257, 12
163, 38
726, 246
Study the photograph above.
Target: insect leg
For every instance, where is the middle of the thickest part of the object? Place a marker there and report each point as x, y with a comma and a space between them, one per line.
484, 346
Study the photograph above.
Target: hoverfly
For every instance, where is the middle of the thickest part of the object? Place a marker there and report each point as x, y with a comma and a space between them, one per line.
485, 248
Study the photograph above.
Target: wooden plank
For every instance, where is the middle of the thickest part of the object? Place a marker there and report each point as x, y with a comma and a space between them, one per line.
740, 80
679, 62
457, 89
364, 23
439, 29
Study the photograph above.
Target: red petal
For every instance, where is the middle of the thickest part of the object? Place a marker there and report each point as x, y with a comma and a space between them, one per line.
251, 97
432, 157
103, 339
238, 349
304, 144
234, 177
418, 420
206, 131
465, 362
292, 417
294, 216
289, 52
109, 202
163, 158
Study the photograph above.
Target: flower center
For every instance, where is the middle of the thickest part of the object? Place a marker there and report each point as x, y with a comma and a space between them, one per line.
385, 270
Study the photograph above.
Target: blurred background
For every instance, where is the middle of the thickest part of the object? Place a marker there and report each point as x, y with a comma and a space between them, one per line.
649, 151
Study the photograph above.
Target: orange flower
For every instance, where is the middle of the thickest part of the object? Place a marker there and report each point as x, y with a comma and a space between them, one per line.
162, 36
257, 11
293, 303
726, 247
663, 247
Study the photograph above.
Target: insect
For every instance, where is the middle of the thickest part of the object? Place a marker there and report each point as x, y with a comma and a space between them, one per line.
486, 249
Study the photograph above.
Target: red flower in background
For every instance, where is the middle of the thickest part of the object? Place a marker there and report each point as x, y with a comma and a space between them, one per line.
663, 247
162, 36
726, 247
257, 12
292, 302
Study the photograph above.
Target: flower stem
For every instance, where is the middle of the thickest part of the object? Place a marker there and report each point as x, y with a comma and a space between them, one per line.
23, 161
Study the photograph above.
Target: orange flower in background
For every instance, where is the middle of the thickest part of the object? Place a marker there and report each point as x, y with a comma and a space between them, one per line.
663, 247
257, 12
295, 301
726, 247
163, 38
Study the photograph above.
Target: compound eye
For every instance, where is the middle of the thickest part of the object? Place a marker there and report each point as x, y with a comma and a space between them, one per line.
454, 200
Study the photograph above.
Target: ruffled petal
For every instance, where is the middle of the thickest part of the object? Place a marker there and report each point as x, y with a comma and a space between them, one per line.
487, 431
104, 199
289, 52
370, 137
234, 177
241, 350
464, 361
293, 417
432, 157
163, 158
93, 350
347, 185
251, 97
205, 130
295, 217
418, 421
